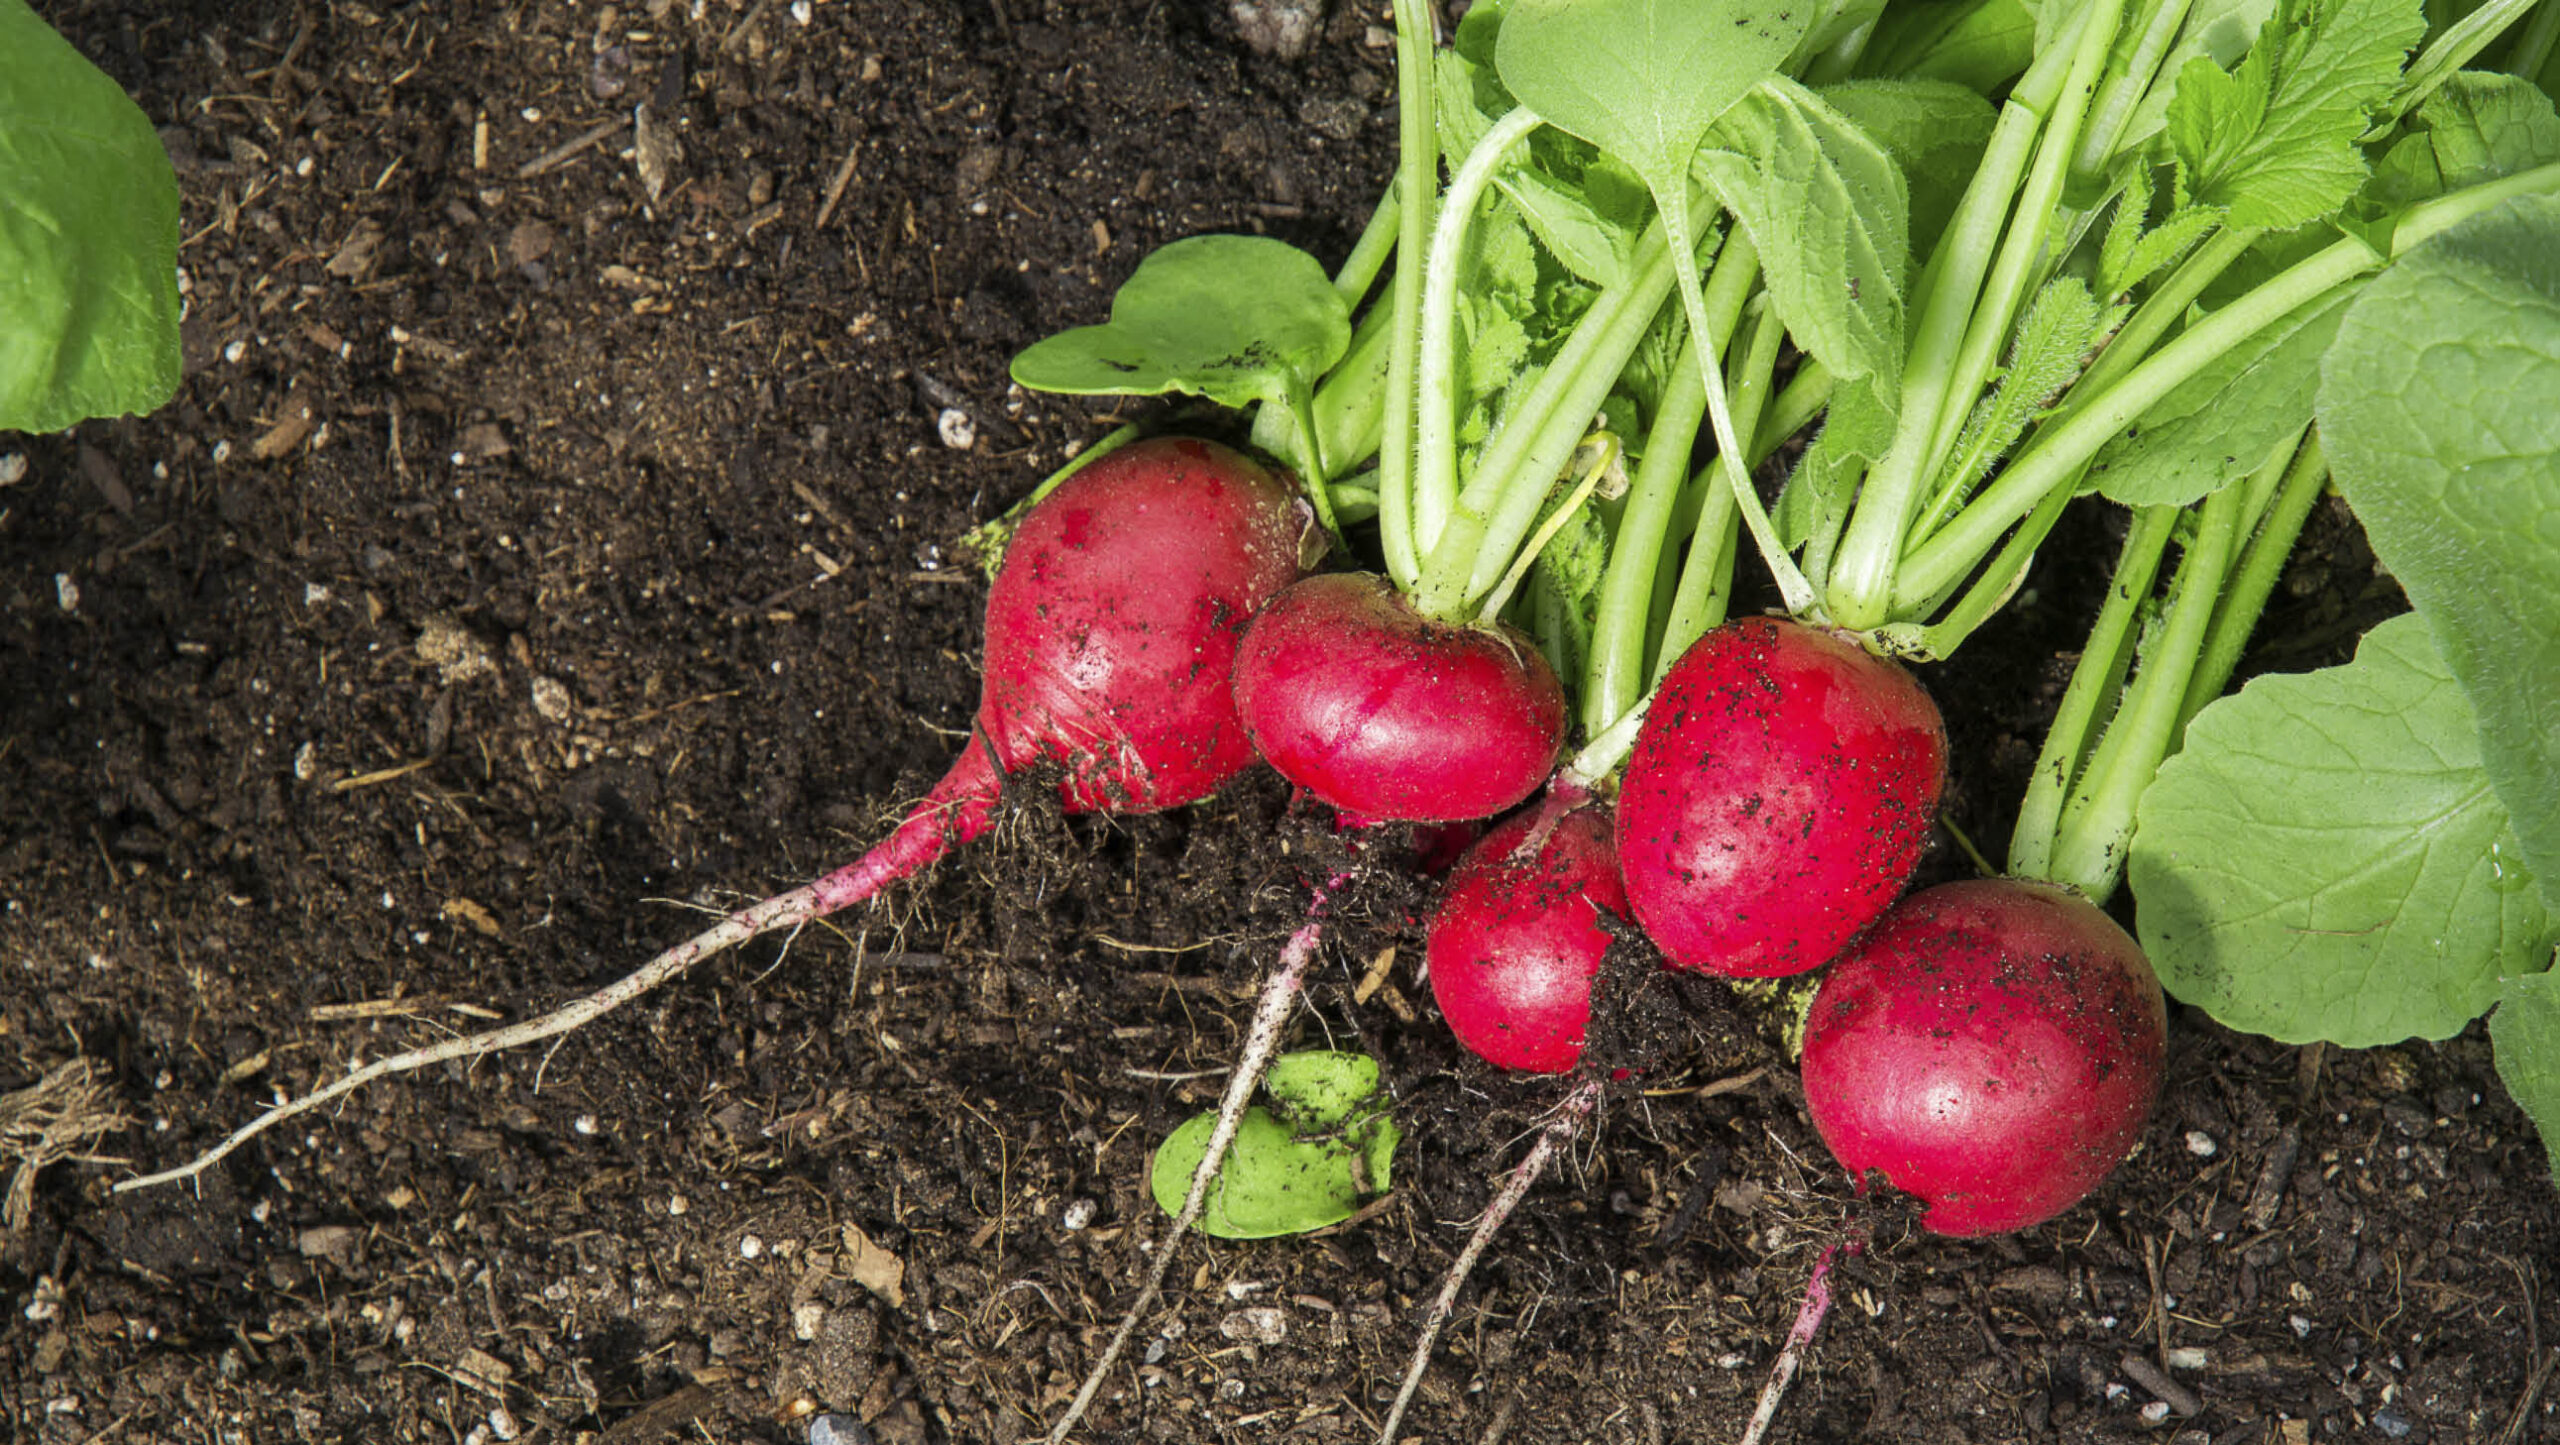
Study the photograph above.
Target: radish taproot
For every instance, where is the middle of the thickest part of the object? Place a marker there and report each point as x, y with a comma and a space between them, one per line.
1779, 794
1382, 712
1519, 936
1992, 1047
1111, 629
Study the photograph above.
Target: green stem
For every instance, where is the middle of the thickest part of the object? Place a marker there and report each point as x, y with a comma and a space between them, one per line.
2449, 52
1349, 407
2096, 681
2166, 306
1706, 576
1435, 477
2097, 822
2533, 48
1377, 242
2124, 89
1860, 588
1605, 455
2024, 257
1312, 474
1622, 616
1418, 179
989, 538
1997, 584
1802, 399
2254, 578
1500, 503
2056, 455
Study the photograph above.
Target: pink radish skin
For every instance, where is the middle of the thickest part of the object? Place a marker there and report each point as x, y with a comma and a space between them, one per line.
1992, 1047
1778, 797
1379, 711
1111, 632
1518, 938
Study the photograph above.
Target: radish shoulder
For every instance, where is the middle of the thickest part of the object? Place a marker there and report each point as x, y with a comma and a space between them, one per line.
1518, 937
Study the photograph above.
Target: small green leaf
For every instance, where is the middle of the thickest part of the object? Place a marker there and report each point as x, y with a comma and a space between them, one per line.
88, 239
1322, 1149
2218, 30
2477, 128
2525, 1032
1236, 319
2325, 858
2273, 144
2437, 405
1980, 45
2218, 425
2061, 324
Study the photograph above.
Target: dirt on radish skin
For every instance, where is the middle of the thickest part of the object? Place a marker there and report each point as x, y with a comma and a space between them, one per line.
1992, 1047
1379, 711
1777, 799
1518, 937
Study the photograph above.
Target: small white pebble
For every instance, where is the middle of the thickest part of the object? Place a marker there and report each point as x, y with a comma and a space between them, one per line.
678, 1204
531, 113
2116, 1391
1260, 1325
314, 594
805, 1319
66, 592
551, 699
13, 469
750, 1247
2155, 1412
302, 167
2106, 1322
958, 432
235, 351
2188, 1357
2301, 1326
221, 453
801, 12
1078, 1213
502, 1423
306, 761
584, 1124
2200, 1144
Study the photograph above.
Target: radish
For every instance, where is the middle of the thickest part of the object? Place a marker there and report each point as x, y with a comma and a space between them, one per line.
1519, 936
1779, 794
1111, 629
1992, 1047
1379, 711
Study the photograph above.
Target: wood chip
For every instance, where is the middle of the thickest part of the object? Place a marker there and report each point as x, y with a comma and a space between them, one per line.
472, 913
874, 1268
660, 1418
483, 1371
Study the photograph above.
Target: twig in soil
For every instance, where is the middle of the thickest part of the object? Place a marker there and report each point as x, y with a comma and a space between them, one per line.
1558, 1131
585, 140
1262, 1039
55, 1118
835, 188
1817, 1303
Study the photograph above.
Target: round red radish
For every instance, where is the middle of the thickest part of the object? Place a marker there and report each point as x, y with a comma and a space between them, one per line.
1380, 711
1111, 634
1991, 1047
1517, 938
1779, 794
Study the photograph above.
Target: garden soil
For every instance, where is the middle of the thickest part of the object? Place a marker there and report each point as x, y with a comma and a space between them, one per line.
555, 541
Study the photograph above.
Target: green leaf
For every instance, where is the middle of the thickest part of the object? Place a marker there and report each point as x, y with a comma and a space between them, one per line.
1825, 206
2525, 1031
1643, 79
2061, 324
2135, 247
1934, 130
2273, 144
2438, 407
1855, 431
88, 239
1236, 319
2219, 424
2218, 30
2477, 128
2325, 858
1590, 245
1980, 45
1309, 1160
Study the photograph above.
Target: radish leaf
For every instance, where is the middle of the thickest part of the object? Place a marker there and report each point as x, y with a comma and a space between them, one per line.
2325, 858
1322, 1147
88, 239
1236, 319
2525, 1031
2437, 406
2273, 144
2218, 425
1935, 133
2477, 128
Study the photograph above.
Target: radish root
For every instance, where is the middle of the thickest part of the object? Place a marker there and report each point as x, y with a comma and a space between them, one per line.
1557, 1132
1262, 1039
1817, 1303
959, 808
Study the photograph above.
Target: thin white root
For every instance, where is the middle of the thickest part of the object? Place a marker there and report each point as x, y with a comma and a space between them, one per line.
1557, 1132
784, 910
1262, 1039
1817, 1303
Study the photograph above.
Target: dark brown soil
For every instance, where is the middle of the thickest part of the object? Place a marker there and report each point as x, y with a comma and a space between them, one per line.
529, 563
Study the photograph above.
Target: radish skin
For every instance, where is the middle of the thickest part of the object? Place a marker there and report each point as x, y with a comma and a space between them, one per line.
1992, 1047
1518, 936
1780, 792
1382, 712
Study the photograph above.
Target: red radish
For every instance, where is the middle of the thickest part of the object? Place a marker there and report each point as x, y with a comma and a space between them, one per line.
1779, 794
1111, 630
1992, 1047
1380, 711
1517, 938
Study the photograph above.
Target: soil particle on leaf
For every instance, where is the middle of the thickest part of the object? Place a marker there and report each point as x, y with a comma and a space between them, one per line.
487, 371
